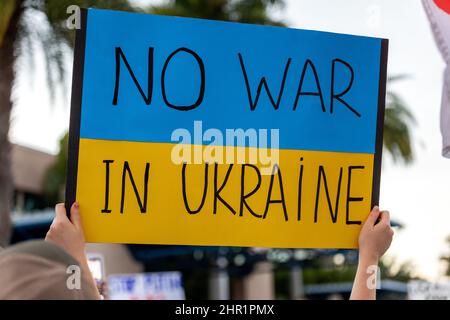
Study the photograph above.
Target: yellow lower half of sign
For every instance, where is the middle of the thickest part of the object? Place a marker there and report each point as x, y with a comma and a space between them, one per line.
162, 193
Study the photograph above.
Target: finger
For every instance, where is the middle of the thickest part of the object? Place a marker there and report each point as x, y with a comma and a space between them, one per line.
60, 212
386, 218
75, 214
373, 216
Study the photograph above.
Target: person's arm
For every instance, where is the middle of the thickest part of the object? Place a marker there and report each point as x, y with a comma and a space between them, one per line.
69, 235
374, 239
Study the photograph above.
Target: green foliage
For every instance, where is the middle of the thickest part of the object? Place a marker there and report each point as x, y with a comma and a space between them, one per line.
56, 12
51, 33
329, 275
398, 121
7, 8
403, 272
322, 270
320, 273
247, 11
446, 259
55, 177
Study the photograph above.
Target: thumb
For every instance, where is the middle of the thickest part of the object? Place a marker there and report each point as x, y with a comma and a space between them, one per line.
373, 216
60, 212
386, 217
75, 215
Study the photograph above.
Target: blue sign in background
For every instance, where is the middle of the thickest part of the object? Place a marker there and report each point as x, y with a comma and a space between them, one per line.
265, 51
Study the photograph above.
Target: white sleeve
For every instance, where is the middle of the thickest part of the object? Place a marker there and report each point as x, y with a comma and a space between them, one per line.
445, 115
440, 24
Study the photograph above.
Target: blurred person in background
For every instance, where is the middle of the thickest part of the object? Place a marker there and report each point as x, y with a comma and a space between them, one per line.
56, 268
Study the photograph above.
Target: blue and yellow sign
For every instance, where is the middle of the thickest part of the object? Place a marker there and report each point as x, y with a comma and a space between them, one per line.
197, 132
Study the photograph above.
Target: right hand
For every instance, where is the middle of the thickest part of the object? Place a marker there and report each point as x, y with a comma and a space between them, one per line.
376, 235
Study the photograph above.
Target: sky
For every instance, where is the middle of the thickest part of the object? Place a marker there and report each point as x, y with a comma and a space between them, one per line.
416, 195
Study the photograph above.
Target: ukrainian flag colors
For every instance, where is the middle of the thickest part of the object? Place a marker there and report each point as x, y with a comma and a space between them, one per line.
143, 77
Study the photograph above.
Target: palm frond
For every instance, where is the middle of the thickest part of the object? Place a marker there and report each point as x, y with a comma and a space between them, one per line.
7, 8
398, 122
247, 11
43, 25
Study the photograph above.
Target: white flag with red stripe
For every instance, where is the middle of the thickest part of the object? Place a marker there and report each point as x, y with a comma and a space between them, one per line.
438, 12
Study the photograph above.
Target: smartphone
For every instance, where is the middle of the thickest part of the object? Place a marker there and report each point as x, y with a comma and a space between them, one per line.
97, 267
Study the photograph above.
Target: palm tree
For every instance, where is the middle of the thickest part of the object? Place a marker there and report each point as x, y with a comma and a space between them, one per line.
247, 11
17, 35
446, 260
398, 121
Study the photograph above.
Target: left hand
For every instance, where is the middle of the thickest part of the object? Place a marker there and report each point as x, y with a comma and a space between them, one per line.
66, 233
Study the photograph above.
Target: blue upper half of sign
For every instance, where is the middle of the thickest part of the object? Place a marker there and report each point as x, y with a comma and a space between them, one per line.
334, 108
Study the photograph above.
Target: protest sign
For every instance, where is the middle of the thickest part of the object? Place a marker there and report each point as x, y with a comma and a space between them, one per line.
146, 286
197, 132
423, 290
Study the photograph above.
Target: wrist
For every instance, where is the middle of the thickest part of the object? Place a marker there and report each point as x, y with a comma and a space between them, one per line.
368, 258
80, 257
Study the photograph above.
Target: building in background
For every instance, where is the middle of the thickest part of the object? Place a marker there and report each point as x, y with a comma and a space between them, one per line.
29, 167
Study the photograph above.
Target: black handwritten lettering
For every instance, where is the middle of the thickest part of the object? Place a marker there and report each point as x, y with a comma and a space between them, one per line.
318, 93
337, 96
334, 214
244, 195
120, 55
205, 189
263, 82
300, 187
126, 171
202, 81
349, 198
106, 207
222, 186
276, 170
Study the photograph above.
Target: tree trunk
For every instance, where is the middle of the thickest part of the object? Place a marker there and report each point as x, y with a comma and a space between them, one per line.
7, 57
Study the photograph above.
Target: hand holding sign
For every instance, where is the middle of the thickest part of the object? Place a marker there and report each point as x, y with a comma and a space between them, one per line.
374, 240
212, 133
66, 233
69, 235
376, 235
